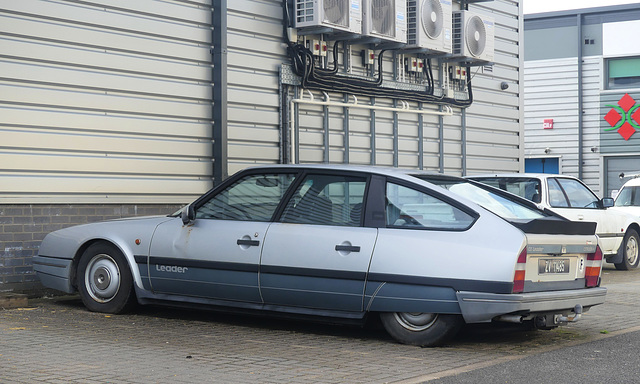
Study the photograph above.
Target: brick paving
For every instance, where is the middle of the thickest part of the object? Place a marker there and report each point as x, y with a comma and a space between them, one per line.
58, 341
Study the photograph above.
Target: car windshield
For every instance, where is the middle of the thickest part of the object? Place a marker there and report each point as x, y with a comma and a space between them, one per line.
491, 200
628, 197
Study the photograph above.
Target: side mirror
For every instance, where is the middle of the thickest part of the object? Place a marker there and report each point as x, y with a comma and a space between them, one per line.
188, 214
607, 202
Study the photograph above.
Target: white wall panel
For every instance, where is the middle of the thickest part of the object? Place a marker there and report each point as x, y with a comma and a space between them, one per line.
551, 92
105, 101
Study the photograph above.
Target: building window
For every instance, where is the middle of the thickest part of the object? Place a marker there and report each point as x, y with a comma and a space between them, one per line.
623, 73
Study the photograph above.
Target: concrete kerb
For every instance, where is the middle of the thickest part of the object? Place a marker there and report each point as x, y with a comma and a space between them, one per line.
13, 300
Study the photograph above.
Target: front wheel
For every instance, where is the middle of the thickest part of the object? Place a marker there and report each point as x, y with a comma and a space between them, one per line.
422, 329
104, 280
630, 247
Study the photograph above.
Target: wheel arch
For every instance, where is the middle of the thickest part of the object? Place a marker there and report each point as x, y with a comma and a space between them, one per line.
635, 226
128, 255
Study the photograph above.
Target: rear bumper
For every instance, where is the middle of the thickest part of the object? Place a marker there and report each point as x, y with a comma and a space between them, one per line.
479, 307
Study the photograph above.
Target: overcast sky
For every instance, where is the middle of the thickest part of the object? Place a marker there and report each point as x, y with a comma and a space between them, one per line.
537, 6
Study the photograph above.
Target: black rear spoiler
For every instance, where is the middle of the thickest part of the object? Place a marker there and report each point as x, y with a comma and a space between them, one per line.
555, 226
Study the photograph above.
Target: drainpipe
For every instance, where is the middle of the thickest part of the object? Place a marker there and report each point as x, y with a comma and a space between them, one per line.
219, 61
580, 99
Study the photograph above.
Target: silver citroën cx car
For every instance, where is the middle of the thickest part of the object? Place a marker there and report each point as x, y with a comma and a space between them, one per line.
425, 252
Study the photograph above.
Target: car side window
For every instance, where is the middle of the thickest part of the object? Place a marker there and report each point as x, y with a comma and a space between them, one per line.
327, 200
556, 196
579, 195
410, 208
252, 198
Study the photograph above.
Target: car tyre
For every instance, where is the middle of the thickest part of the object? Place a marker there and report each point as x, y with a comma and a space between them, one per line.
630, 249
421, 329
104, 279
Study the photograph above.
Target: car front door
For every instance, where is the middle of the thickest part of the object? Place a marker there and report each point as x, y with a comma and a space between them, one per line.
317, 255
217, 255
573, 200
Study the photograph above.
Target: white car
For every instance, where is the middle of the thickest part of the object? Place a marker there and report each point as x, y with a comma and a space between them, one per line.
628, 198
425, 252
569, 197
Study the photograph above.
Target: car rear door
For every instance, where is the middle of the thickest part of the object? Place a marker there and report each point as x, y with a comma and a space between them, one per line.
573, 200
218, 254
317, 255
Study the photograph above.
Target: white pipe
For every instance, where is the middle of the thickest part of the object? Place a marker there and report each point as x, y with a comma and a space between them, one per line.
294, 147
448, 111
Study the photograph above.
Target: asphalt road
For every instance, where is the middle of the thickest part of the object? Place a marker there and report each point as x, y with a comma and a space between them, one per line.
612, 360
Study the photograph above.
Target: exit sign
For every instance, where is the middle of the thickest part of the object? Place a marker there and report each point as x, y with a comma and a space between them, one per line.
547, 124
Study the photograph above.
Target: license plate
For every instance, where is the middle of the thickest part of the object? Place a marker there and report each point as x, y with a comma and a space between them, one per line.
546, 266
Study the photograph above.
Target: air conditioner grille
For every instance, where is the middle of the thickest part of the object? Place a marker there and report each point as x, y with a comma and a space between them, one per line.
383, 17
475, 36
336, 12
432, 18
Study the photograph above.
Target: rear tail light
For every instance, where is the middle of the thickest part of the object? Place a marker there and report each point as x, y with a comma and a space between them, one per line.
593, 268
518, 277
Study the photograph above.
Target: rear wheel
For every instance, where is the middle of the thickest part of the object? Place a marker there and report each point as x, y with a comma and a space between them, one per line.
104, 279
630, 249
422, 329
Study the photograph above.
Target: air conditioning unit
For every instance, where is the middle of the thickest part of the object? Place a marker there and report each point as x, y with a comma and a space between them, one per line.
473, 36
339, 15
385, 19
429, 25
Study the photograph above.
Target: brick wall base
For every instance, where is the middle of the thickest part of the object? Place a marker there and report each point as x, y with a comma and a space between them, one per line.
22, 228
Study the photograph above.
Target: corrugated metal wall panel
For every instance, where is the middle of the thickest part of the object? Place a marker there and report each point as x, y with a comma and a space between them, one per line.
254, 57
551, 92
256, 51
591, 85
105, 101
497, 112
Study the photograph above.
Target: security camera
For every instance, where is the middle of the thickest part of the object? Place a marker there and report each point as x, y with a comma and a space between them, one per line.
504, 85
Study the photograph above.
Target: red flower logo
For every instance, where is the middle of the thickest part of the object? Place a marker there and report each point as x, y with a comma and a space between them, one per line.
624, 117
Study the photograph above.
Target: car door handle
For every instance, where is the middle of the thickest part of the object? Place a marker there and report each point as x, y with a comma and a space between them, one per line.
250, 243
348, 248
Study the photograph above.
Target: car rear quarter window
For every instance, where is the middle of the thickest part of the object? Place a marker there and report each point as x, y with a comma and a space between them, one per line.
409, 208
252, 198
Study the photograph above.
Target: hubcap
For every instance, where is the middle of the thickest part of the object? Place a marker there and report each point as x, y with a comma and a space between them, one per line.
416, 321
632, 250
102, 278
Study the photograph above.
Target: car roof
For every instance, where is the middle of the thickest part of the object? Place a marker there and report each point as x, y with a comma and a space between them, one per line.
521, 175
635, 182
380, 170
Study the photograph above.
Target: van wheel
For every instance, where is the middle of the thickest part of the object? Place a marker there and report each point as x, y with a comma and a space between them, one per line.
104, 279
629, 248
421, 329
